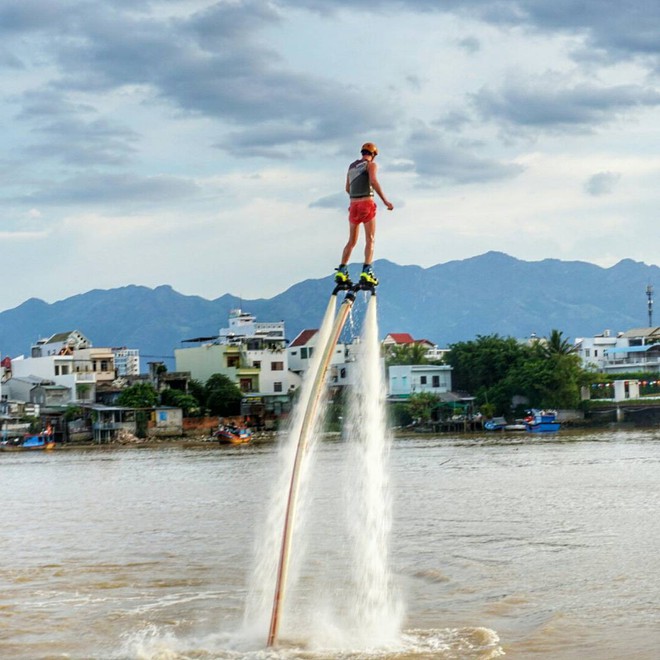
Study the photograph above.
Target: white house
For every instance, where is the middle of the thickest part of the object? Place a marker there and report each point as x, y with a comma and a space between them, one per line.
303, 347
637, 349
253, 355
407, 379
68, 360
61, 343
341, 370
591, 350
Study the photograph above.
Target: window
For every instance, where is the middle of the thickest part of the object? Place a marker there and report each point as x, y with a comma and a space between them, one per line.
595, 352
65, 369
232, 360
342, 372
57, 369
257, 364
303, 353
277, 366
436, 381
422, 380
587, 352
277, 386
246, 385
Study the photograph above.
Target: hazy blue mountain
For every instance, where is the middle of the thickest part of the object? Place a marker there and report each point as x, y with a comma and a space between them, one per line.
454, 301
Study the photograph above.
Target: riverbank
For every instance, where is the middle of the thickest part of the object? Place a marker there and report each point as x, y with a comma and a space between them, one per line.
270, 437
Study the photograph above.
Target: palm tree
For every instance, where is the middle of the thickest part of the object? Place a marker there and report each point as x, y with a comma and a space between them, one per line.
407, 354
556, 344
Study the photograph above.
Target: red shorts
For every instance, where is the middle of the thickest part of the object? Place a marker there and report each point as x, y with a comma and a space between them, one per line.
362, 210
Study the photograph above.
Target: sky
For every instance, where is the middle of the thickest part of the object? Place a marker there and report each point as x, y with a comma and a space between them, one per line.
205, 144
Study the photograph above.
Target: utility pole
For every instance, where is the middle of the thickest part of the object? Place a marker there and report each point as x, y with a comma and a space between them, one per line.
649, 295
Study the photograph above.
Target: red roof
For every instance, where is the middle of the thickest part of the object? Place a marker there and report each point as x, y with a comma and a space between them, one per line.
303, 337
401, 337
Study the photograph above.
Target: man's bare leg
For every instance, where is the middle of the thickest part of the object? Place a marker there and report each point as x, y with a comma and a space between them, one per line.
370, 240
353, 234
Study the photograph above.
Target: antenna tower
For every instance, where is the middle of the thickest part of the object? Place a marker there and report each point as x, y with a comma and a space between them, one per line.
649, 295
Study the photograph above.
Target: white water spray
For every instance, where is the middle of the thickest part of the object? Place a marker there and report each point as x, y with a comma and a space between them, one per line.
267, 549
360, 609
374, 610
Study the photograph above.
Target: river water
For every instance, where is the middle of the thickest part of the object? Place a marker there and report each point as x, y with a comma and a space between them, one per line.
527, 547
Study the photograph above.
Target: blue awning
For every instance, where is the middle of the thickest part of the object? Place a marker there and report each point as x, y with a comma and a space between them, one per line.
630, 349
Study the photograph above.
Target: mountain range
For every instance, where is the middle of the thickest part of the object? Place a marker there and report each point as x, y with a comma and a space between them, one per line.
446, 303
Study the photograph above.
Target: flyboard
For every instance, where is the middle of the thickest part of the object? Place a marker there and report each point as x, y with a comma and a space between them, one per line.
305, 432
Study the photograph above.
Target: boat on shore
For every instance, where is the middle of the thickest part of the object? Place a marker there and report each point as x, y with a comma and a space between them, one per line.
542, 421
232, 435
500, 424
495, 424
28, 443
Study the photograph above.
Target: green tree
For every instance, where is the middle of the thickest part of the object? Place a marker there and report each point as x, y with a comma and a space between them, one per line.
140, 395
487, 410
72, 412
421, 406
485, 367
552, 375
178, 399
494, 369
196, 389
555, 345
406, 354
82, 390
222, 396
551, 381
399, 414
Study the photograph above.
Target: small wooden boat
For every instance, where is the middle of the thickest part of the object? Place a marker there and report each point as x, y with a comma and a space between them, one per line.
232, 435
495, 424
29, 443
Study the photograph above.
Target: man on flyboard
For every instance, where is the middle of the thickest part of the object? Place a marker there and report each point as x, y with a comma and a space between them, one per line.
361, 183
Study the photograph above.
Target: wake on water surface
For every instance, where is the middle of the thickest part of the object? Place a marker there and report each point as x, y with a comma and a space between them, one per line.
444, 644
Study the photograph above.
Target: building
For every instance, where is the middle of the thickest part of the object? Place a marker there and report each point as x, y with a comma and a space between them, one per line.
253, 355
397, 339
165, 421
407, 379
302, 348
62, 343
67, 360
127, 361
340, 371
110, 421
591, 350
636, 350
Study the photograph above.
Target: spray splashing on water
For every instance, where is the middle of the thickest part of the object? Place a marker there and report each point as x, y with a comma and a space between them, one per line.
360, 608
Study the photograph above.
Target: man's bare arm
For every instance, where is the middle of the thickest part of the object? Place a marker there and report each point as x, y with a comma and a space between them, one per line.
373, 180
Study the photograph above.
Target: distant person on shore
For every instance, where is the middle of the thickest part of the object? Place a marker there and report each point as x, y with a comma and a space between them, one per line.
361, 182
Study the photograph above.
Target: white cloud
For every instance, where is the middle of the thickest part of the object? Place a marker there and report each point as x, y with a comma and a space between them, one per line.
192, 143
